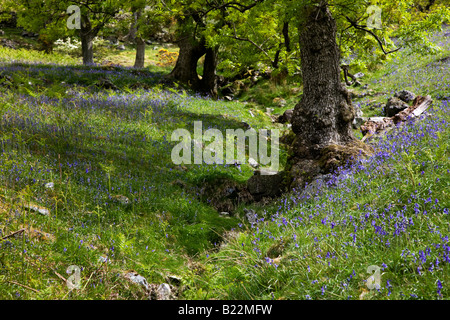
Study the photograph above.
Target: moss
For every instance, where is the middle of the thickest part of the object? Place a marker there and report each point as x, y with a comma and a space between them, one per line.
334, 155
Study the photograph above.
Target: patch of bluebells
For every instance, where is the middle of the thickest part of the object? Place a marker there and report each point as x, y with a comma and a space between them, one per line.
381, 226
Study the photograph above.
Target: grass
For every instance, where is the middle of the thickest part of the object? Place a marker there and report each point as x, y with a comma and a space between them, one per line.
100, 146
96, 145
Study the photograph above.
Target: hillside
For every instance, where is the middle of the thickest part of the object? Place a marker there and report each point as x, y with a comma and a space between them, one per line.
87, 180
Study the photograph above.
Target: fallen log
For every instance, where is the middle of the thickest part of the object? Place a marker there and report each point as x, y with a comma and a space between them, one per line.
378, 124
420, 104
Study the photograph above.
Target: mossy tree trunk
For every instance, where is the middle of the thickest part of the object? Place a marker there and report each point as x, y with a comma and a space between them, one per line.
322, 120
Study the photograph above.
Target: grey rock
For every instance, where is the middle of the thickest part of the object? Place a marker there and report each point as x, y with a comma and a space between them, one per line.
164, 292
405, 95
121, 47
261, 186
136, 278
176, 280
394, 106
359, 75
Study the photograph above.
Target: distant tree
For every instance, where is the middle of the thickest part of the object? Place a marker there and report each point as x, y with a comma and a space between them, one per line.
147, 18
199, 22
49, 19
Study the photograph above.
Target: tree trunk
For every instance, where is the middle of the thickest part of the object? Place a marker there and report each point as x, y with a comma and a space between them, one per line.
208, 84
322, 120
140, 44
131, 36
87, 35
87, 49
185, 69
287, 39
140, 53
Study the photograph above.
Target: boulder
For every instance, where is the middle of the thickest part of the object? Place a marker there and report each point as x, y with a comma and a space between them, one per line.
394, 106
405, 95
121, 47
261, 186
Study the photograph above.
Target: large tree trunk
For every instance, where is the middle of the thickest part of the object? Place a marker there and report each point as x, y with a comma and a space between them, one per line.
191, 50
323, 117
185, 70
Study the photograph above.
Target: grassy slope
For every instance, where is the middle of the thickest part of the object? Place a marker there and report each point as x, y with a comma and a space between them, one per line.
96, 144
391, 212
56, 126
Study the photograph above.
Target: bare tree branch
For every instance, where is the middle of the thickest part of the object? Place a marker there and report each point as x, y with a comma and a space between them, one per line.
364, 28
